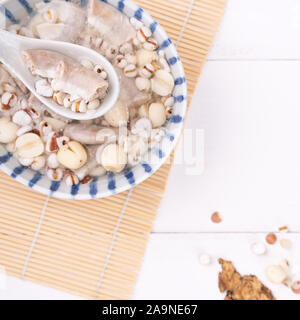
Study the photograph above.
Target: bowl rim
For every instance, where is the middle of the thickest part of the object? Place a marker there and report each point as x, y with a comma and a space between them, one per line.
154, 167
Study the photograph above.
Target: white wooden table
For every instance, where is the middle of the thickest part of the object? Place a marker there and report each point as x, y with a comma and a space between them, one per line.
248, 103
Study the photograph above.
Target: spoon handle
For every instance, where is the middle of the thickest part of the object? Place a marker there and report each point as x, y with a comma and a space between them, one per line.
11, 45
11, 56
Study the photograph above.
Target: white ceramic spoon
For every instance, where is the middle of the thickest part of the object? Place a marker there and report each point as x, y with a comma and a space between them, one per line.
11, 47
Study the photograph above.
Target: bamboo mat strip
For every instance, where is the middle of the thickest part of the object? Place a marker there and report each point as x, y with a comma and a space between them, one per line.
35, 235
95, 248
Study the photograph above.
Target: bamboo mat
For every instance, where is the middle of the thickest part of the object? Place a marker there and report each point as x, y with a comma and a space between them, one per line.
95, 248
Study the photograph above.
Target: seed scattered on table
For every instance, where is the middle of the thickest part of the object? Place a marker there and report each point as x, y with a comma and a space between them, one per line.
283, 229
258, 248
216, 218
204, 259
296, 287
271, 238
285, 243
276, 274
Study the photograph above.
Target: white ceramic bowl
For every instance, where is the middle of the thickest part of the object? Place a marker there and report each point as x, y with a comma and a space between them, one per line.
15, 10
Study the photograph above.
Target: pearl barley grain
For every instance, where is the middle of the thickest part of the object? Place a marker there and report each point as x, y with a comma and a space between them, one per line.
130, 71
143, 34
94, 104
150, 44
21, 118
26, 161
147, 71
38, 163
45, 128
121, 62
33, 113
29, 145
62, 141
52, 161
9, 99
55, 174
59, 97
98, 68
111, 52
51, 142
43, 88
67, 102
79, 106
71, 179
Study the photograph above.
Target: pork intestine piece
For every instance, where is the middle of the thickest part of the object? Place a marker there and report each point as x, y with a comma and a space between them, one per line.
85, 134
75, 79
68, 77
112, 25
129, 93
42, 62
